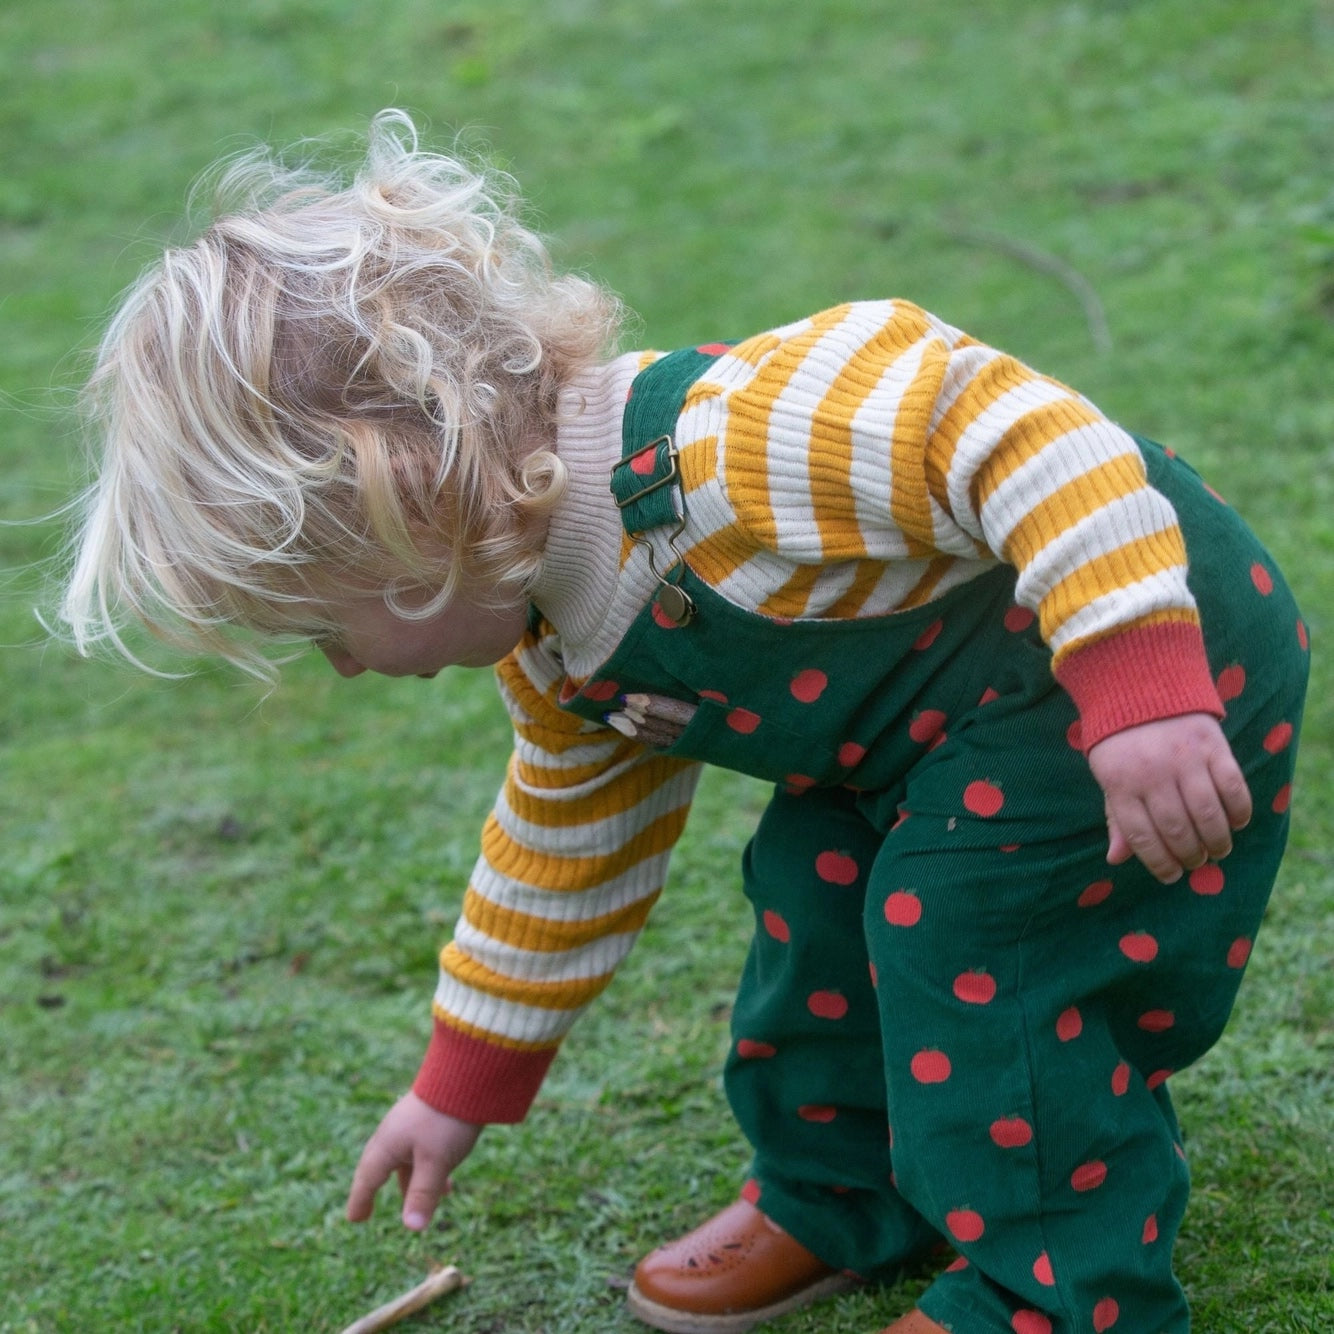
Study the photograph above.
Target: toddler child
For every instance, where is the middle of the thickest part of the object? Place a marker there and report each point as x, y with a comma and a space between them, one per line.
1028, 692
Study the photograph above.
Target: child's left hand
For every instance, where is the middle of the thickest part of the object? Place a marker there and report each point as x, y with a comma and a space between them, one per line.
1174, 793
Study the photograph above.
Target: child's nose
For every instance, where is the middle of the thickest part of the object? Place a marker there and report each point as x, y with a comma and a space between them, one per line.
342, 662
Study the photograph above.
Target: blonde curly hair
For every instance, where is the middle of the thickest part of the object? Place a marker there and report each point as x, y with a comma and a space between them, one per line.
334, 381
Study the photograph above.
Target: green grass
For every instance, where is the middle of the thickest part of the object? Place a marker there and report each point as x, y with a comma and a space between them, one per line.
219, 915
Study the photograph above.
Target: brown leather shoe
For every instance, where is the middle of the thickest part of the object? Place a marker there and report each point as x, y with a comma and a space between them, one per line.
914, 1323
730, 1273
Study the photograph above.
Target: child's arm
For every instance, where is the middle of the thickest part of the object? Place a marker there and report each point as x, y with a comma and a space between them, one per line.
1174, 793
420, 1145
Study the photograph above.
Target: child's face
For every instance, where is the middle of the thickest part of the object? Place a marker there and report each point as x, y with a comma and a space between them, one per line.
372, 638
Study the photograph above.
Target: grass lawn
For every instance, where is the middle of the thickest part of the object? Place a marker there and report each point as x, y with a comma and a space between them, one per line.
219, 913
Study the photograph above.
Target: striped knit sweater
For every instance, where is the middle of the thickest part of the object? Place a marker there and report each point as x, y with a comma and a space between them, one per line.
853, 464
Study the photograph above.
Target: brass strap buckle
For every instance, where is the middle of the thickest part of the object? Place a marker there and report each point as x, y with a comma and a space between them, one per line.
666, 480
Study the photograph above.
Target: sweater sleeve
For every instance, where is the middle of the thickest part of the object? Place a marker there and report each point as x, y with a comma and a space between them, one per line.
574, 855
876, 439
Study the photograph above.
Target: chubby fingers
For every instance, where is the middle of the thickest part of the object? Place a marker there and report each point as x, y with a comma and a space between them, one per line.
373, 1170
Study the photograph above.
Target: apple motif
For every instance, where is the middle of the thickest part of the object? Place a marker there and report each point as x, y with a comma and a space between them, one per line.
965, 1224
851, 754
988, 695
836, 868
743, 721
1139, 947
926, 725
661, 619
750, 1192
601, 691
1238, 952
827, 1004
1158, 1077
903, 908
1207, 879
983, 798
1011, 1132
807, 686
1105, 1314
1098, 892
1030, 1322
643, 463
1262, 579
776, 926
750, 1050
959, 1262
928, 636
1069, 1024
1042, 1271
975, 987
1282, 799
1278, 738
1150, 1233
817, 1113
1120, 1078
930, 1067
1088, 1176
1303, 640
1018, 619
1156, 1021
1231, 682
716, 696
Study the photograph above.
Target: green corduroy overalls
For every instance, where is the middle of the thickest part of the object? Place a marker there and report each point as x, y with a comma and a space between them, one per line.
956, 1019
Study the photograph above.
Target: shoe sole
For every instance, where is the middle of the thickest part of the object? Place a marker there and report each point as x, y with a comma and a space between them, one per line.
675, 1321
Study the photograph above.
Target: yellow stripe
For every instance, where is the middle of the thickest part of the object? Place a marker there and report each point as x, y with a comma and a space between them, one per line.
748, 415
1030, 434
1116, 569
853, 599
487, 1036
1066, 506
993, 381
555, 872
923, 590
554, 777
794, 596
721, 554
569, 995
699, 463
754, 350
831, 441
602, 803
540, 934
909, 499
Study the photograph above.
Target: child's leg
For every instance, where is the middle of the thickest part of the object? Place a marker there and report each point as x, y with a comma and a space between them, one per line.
805, 1076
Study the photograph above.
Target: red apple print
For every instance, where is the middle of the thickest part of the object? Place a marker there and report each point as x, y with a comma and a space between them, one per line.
1018, 619
750, 1192
743, 721
926, 725
1156, 1021
1069, 1024
713, 349
1011, 1132
1150, 1233
1206, 879
1158, 1077
827, 1004
809, 685
1120, 1079
930, 1067
1042, 1270
798, 783
1278, 738
1030, 1322
1009, 847
817, 1113
983, 798
975, 988
1074, 736
1139, 947
601, 690
958, 1263
1105, 1314
1303, 639
1282, 799
661, 619
1098, 892
716, 696
776, 926
1262, 579
851, 754
644, 462
928, 636
1231, 682
1088, 1176
836, 868
749, 1050
965, 1224
987, 696
903, 908
875, 976
1238, 952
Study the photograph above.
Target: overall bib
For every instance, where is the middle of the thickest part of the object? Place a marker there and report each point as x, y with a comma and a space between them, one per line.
955, 1018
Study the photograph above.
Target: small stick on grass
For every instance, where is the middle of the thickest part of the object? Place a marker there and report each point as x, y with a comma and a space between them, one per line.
440, 1282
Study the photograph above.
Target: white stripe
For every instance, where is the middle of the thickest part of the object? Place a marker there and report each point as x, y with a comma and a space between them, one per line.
632, 885
598, 958
1165, 591
505, 1019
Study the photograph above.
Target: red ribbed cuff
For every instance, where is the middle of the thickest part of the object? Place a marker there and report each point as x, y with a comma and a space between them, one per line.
465, 1077
1139, 676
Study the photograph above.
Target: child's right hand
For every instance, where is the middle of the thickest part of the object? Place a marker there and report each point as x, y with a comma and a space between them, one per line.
423, 1147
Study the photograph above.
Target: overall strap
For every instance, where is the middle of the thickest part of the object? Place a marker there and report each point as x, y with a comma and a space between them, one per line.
642, 481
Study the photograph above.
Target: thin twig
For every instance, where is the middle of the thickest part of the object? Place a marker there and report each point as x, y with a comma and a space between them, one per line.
1044, 262
440, 1282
